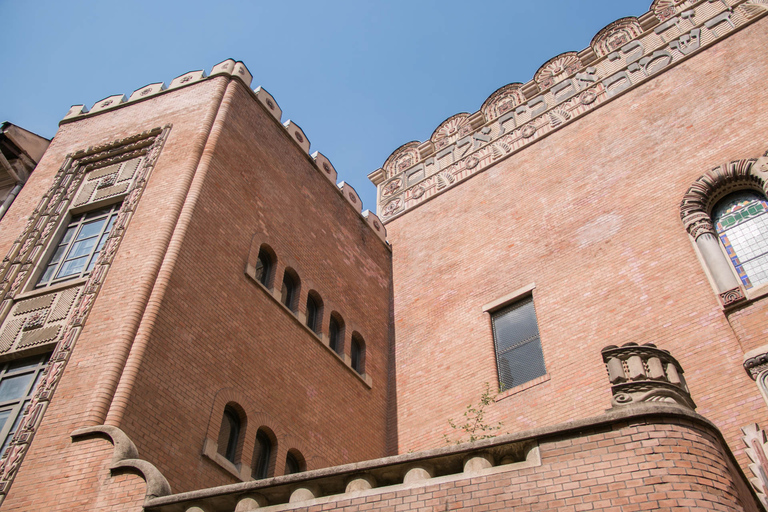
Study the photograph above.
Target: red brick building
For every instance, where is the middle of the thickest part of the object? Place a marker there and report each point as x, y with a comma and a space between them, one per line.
195, 316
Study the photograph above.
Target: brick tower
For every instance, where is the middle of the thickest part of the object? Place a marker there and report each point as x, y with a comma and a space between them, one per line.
195, 317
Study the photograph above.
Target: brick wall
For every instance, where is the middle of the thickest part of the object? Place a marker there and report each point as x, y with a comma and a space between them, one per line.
590, 215
625, 460
214, 334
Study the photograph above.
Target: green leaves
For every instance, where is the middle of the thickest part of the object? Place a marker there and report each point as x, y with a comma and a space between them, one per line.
474, 427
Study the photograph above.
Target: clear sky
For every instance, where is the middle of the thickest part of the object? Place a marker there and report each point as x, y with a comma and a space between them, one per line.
360, 78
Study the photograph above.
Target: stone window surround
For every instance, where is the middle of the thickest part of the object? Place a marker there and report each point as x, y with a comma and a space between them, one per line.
696, 215
300, 318
498, 304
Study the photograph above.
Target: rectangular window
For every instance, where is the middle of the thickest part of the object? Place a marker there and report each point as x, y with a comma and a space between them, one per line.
18, 380
76, 253
519, 358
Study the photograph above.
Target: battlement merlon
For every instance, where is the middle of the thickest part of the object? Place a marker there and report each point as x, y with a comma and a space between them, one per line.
236, 70
621, 56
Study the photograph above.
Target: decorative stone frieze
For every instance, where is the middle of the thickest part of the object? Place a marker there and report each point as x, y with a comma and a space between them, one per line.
623, 55
644, 373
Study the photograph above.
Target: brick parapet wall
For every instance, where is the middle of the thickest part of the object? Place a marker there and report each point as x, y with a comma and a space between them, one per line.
642, 457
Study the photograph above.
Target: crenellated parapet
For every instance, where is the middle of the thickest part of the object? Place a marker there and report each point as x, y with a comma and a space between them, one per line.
621, 56
237, 70
644, 373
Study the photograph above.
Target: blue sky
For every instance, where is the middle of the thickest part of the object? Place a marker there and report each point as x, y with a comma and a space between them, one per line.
360, 78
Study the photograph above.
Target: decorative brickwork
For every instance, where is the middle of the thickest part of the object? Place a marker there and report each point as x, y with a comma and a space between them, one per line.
70, 306
627, 53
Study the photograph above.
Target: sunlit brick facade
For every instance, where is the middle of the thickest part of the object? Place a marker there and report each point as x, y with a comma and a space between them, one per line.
196, 317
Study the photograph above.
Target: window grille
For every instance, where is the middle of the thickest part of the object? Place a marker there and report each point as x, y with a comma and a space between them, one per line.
79, 248
519, 358
18, 380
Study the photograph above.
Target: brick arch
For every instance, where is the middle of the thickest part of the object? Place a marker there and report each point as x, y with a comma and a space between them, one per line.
713, 185
223, 397
294, 444
265, 422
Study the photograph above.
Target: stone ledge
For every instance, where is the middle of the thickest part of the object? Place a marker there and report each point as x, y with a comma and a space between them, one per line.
513, 451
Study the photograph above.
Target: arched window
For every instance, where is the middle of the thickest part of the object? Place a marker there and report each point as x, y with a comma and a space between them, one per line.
265, 264
742, 225
290, 289
357, 353
229, 434
262, 455
336, 333
314, 311
294, 463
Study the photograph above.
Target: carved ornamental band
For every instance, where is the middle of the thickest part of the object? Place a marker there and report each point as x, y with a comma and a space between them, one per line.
623, 55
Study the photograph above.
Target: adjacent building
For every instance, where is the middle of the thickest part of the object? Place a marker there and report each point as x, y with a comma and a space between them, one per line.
197, 317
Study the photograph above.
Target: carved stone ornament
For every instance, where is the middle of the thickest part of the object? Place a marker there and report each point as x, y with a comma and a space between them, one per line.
664, 9
732, 296
616, 35
392, 207
528, 130
644, 373
757, 451
557, 69
403, 157
448, 129
754, 366
713, 186
588, 97
753, 8
503, 100
35, 320
392, 187
418, 192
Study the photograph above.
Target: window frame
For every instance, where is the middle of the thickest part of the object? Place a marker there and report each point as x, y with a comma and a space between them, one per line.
231, 451
76, 219
500, 306
16, 406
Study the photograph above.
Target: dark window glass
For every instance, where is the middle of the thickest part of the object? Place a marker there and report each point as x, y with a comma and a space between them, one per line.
79, 248
288, 292
518, 348
292, 464
356, 354
334, 335
18, 380
312, 311
262, 456
229, 434
263, 268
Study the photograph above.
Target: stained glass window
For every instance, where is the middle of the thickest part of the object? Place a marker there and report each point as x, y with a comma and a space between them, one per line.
519, 358
742, 224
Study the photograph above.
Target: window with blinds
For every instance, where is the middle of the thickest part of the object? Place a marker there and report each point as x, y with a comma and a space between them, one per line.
519, 358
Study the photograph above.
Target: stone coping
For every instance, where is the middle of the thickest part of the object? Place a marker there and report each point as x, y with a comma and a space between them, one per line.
513, 451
